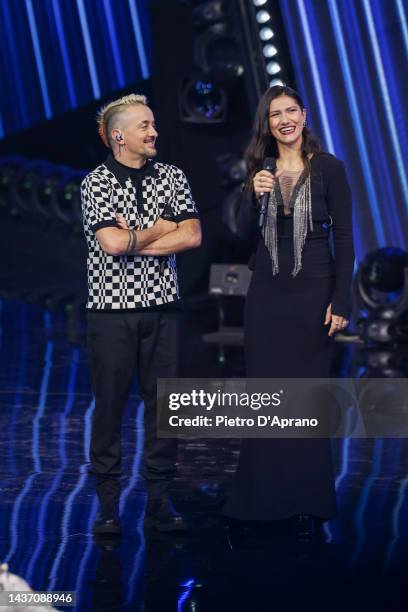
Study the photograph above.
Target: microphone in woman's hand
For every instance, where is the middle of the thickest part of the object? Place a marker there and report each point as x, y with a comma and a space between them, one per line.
270, 166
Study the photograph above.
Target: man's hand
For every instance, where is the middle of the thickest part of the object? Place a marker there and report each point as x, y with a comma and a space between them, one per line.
337, 323
186, 236
118, 240
122, 223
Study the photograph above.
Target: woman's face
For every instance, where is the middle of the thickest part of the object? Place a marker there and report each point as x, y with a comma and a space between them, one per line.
286, 120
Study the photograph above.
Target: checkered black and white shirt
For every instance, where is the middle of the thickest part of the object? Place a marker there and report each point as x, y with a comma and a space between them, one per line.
131, 282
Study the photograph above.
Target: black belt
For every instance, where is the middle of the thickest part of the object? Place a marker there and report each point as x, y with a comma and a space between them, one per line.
285, 226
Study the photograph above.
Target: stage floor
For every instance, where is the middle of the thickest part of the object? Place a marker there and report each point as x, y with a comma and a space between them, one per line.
47, 504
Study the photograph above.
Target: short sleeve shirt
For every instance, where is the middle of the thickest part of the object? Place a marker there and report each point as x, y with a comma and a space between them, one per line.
132, 282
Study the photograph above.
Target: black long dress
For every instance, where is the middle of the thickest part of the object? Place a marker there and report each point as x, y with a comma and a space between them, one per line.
285, 337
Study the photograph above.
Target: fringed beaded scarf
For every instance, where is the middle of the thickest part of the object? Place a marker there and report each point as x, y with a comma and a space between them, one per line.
300, 201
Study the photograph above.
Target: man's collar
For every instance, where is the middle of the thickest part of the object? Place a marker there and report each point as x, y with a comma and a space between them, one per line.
122, 172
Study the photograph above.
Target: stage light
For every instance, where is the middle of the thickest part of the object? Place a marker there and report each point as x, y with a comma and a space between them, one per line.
266, 34
209, 12
218, 66
202, 101
31, 190
10, 168
262, 16
269, 50
67, 205
41, 191
381, 290
380, 279
231, 208
273, 68
269, 59
216, 52
232, 169
52, 176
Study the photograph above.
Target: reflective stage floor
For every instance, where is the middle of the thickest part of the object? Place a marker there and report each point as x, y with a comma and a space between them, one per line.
47, 505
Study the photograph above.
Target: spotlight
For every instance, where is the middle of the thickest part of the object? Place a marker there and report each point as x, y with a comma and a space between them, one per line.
381, 291
67, 204
203, 96
268, 58
269, 50
262, 16
209, 12
232, 169
231, 207
10, 168
48, 192
217, 53
266, 34
202, 101
380, 280
273, 68
30, 190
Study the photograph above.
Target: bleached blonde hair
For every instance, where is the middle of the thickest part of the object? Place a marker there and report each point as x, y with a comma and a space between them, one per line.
109, 111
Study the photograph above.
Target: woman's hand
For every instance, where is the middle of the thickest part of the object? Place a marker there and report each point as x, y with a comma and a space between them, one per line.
337, 323
264, 182
121, 221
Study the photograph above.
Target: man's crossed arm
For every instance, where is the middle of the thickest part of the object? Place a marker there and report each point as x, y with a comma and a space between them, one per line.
163, 238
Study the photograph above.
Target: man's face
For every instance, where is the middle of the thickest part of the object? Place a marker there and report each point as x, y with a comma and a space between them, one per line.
139, 131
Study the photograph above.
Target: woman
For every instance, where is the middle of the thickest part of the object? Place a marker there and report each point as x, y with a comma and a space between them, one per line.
298, 299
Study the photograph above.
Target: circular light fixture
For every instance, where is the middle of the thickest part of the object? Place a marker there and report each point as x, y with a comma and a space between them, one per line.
259, 2
269, 50
273, 68
217, 51
276, 82
202, 101
266, 34
205, 99
262, 16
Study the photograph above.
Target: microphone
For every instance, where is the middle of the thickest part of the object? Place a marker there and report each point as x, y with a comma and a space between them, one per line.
270, 165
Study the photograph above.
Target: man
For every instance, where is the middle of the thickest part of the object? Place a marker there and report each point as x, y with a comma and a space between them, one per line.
133, 298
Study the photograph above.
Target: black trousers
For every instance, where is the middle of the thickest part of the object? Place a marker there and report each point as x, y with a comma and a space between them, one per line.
122, 345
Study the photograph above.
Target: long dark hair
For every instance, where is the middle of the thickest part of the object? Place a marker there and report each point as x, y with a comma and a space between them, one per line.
263, 144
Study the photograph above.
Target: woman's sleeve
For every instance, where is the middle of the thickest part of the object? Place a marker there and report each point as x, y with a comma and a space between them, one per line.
340, 209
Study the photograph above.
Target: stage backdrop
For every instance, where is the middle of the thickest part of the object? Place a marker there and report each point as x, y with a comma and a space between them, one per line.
56, 55
350, 62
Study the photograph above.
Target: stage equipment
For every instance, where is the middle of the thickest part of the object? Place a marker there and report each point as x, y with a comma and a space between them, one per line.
267, 58
227, 281
9, 171
381, 291
41, 192
201, 100
203, 95
232, 169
